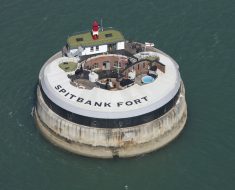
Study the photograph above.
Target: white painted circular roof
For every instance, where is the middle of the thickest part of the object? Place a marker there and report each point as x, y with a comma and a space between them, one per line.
99, 103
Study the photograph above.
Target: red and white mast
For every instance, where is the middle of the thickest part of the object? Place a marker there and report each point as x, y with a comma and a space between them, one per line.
95, 30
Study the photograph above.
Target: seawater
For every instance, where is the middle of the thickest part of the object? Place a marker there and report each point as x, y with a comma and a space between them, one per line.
198, 34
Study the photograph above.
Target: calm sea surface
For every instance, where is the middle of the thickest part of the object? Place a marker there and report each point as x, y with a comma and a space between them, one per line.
198, 34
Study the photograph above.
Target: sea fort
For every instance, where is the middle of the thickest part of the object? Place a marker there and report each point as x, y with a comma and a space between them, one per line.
104, 96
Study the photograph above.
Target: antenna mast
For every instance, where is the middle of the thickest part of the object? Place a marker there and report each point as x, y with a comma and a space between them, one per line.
101, 23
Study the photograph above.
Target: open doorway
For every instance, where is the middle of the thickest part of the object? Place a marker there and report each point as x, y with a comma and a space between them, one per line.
106, 65
112, 47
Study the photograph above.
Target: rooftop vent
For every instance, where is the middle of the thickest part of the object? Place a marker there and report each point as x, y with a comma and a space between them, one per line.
108, 35
79, 39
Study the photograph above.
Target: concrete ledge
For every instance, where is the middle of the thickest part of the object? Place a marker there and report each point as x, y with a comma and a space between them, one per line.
107, 143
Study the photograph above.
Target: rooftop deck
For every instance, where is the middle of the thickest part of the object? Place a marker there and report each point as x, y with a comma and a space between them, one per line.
115, 103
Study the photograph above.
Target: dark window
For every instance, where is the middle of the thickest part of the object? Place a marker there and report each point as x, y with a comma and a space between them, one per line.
79, 39
97, 48
115, 63
93, 123
108, 35
96, 65
92, 49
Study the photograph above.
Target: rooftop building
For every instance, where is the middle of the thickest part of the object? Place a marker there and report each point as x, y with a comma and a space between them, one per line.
95, 41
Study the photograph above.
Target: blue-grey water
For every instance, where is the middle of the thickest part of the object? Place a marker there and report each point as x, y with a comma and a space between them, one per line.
198, 34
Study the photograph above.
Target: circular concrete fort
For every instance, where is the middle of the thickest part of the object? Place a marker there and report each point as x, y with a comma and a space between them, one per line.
103, 96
